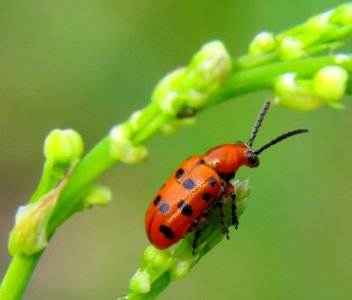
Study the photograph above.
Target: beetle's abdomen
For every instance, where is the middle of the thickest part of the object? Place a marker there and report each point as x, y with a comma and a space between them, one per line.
190, 190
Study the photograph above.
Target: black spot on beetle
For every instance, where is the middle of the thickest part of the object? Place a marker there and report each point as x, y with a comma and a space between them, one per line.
167, 231
179, 173
212, 181
206, 196
164, 208
185, 208
189, 184
201, 162
157, 200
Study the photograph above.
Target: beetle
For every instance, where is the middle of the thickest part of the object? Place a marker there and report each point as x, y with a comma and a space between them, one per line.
201, 183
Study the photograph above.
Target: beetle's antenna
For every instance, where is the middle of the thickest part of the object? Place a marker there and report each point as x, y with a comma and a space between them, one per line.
280, 138
259, 121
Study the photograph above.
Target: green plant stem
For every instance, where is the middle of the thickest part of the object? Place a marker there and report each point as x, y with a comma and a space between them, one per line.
97, 161
254, 79
18, 276
45, 181
92, 165
22, 266
158, 286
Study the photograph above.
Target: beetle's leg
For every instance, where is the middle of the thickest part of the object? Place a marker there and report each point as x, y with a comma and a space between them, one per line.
230, 190
220, 204
197, 224
222, 197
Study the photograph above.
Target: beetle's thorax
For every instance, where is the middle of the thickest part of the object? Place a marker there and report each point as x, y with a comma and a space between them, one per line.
228, 158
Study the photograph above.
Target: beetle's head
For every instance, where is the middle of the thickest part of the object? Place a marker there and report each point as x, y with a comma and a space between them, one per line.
247, 156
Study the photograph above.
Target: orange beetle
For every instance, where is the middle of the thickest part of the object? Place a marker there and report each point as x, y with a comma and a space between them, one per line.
200, 183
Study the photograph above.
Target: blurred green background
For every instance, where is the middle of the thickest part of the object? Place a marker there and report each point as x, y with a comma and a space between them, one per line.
87, 65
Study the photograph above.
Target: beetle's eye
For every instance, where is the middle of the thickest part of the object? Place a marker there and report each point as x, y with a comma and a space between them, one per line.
252, 157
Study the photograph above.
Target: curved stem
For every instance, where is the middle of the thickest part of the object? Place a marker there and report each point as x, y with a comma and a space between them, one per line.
18, 276
264, 76
94, 163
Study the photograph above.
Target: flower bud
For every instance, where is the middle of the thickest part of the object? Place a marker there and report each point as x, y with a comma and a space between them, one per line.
193, 86
295, 94
243, 191
63, 146
140, 282
346, 16
166, 92
342, 58
181, 268
320, 23
29, 234
156, 258
122, 147
291, 49
330, 82
136, 119
343, 15
100, 195
263, 42
207, 71
174, 124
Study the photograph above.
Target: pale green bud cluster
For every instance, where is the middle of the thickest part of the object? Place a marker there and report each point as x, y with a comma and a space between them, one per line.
263, 42
155, 263
140, 282
207, 71
342, 15
327, 86
192, 87
305, 87
175, 101
122, 147
321, 32
99, 196
63, 146
62, 149
330, 83
182, 266
291, 48
29, 234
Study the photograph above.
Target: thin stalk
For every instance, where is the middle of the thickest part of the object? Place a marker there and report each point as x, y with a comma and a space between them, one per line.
17, 276
263, 76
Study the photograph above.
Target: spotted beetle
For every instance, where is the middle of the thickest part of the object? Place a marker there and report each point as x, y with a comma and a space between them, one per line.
200, 183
